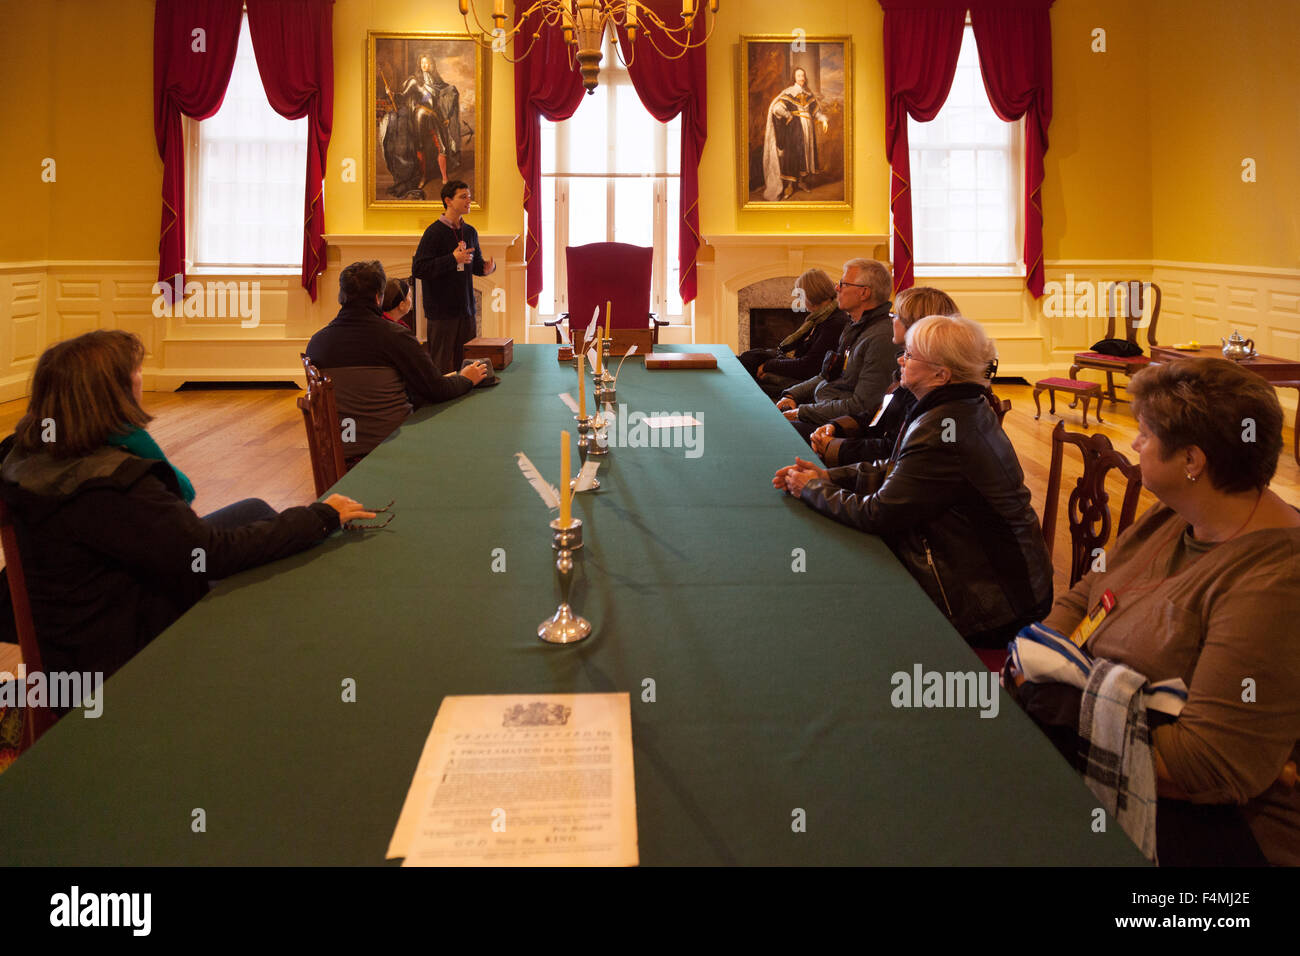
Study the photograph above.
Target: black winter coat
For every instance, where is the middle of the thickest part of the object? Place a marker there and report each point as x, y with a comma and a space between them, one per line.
951, 503
107, 545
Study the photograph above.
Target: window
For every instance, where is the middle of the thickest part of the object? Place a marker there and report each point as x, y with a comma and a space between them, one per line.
247, 175
967, 180
611, 173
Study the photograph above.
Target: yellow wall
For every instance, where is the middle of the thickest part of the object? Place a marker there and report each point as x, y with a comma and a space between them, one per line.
1097, 185
26, 77
345, 203
719, 200
1186, 88
78, 88
1227, 81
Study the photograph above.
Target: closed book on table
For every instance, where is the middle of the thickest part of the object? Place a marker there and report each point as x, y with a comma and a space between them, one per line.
670, 360
500, 351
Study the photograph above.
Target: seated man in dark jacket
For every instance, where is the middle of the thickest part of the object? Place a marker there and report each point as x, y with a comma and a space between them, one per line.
380, 372
853, 438
799, 356
950, 501
854, 377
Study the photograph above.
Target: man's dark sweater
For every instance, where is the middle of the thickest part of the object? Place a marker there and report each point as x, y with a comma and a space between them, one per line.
446, 292
371, 361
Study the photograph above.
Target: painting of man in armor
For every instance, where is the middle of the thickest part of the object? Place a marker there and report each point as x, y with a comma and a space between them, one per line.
425, 94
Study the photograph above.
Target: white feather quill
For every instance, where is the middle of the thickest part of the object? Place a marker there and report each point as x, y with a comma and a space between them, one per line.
591, 329
620, 364
562, 328
591, 358
568, 400
542, 486
586, 476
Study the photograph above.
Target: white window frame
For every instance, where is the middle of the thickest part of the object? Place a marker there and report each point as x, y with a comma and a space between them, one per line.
613, 75
191, 132
1016, 217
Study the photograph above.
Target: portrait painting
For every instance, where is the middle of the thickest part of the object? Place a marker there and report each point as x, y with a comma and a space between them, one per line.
425, 118
795, 136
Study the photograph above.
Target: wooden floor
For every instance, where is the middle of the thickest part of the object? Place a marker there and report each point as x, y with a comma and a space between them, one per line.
250, 443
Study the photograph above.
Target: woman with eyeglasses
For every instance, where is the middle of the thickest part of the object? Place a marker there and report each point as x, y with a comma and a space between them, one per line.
112, 551
855, 438
950, 500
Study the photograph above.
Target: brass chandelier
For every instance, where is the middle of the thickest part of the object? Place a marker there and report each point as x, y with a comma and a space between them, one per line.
584, 23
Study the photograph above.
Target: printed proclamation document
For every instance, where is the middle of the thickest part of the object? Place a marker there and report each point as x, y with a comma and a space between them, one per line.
523, 780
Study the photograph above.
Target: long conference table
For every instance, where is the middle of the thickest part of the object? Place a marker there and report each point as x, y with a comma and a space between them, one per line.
772, 685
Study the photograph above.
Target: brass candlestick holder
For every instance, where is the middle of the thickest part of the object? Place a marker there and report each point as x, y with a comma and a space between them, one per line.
565, 626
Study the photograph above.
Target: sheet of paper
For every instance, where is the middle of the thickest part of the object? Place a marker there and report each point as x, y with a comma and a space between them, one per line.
523, 780
672, 421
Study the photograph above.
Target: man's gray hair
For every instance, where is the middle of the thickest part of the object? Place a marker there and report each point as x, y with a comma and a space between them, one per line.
875, 275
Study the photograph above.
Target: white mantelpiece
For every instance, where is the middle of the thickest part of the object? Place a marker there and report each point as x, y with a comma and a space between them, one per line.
742, 260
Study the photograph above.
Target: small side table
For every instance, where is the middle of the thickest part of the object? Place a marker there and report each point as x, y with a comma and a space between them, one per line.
1076, 387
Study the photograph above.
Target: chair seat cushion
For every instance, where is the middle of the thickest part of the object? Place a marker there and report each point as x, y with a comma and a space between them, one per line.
1111, 359
1070, 384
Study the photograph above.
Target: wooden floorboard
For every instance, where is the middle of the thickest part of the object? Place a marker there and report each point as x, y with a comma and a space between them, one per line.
250, 443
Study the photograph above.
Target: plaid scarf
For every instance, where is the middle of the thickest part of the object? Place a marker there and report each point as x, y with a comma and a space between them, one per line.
1119, 764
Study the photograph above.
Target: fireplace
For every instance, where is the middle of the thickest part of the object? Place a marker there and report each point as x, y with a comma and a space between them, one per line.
769, 327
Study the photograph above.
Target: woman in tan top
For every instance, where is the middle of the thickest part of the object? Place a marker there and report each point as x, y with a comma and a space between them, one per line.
1207, 585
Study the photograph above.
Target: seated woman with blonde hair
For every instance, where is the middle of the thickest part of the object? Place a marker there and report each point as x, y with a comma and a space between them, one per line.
950, 500
799, 356
1204, 589
112, 550
855, 438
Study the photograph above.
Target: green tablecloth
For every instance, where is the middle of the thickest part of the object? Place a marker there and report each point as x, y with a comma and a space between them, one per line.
772, 686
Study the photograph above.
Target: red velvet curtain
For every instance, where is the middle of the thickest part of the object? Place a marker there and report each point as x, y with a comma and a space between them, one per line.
294, 44
546, 85
193, 53
668, 88
1015, 48
922, 42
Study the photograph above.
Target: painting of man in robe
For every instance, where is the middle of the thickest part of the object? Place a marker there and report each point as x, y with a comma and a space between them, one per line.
424, 127
796, 131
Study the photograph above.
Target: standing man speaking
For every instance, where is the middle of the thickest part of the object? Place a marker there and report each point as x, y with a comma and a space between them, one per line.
447, 259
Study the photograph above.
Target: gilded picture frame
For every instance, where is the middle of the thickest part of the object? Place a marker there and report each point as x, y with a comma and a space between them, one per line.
794, 135
424, 120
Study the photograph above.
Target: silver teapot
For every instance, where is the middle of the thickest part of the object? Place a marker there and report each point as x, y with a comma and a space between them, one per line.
1237, 348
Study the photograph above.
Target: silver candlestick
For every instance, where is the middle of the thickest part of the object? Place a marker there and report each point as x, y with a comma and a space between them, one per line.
565, 626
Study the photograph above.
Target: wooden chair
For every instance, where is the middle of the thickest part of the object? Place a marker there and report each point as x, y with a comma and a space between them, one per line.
1134, 312
613, 272
1000, 406
1088, 509
37, 719
321, 417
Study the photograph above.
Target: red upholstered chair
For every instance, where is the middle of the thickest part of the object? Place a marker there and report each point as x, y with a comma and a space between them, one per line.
38, 719
613, 272
1089, 505
1134, 308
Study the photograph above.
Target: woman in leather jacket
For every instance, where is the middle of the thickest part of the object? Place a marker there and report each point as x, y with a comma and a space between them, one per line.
950, 501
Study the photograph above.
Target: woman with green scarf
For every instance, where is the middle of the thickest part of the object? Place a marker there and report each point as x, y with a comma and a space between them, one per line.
112, 550
800, 354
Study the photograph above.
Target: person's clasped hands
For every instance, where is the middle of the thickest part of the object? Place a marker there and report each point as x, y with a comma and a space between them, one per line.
792, 478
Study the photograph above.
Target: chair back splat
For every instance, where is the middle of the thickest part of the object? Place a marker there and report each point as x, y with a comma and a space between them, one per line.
321, 418
1088, 508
